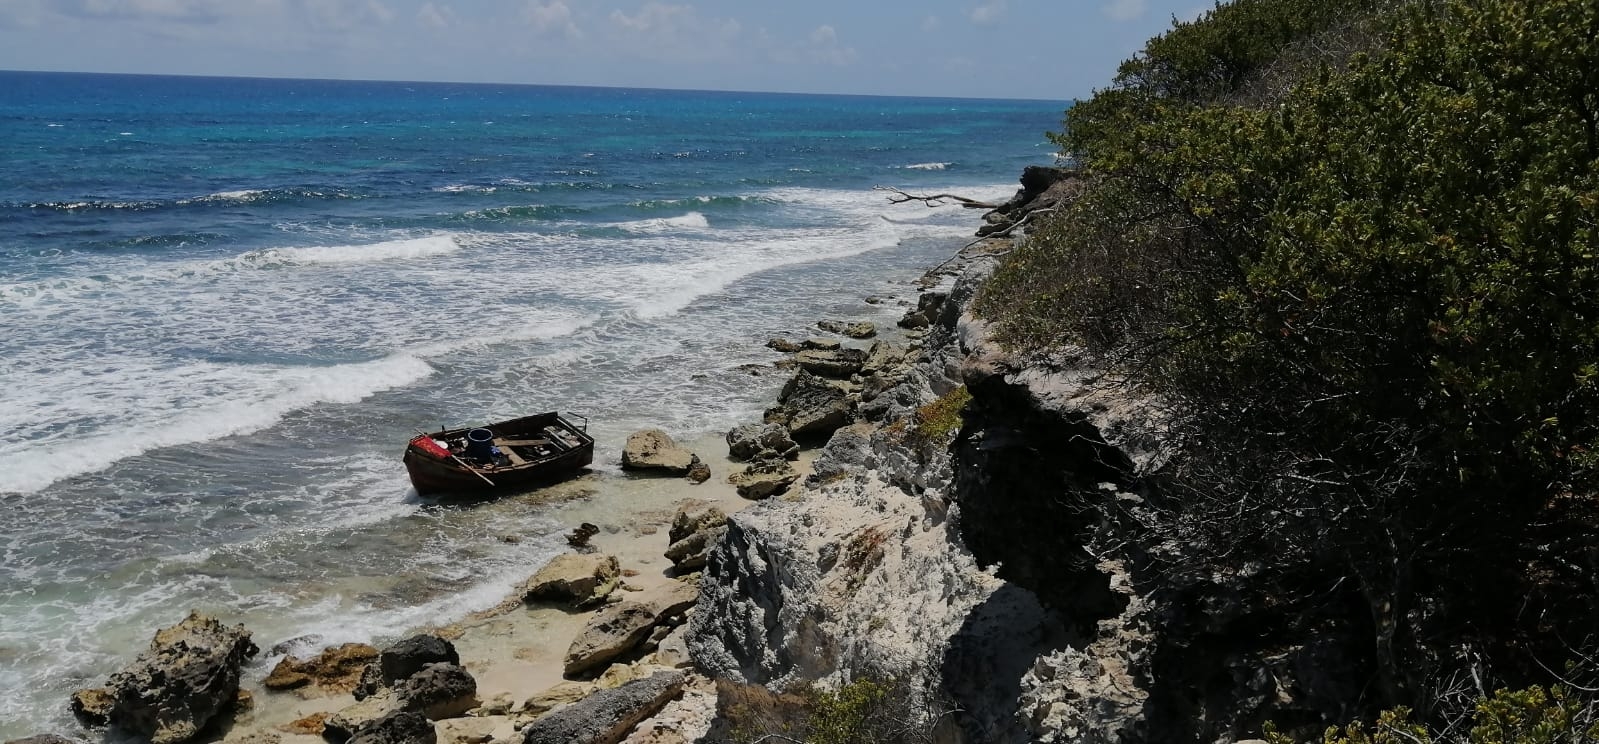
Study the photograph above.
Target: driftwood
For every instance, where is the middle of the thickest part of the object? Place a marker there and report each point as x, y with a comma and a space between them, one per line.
934, 200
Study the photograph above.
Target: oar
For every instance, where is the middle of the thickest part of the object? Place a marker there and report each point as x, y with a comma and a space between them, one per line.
473, 470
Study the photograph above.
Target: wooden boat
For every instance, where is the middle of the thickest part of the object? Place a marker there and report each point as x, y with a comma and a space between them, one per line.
495, 457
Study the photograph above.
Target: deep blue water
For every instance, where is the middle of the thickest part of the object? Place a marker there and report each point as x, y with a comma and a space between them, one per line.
225, 304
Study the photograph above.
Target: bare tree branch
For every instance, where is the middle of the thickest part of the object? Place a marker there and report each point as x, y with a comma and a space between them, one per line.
933, 200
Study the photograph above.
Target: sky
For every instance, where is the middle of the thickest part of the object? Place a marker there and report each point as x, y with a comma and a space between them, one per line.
1043, 49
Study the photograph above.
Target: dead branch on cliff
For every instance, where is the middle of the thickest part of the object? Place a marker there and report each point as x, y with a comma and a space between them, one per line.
933, 200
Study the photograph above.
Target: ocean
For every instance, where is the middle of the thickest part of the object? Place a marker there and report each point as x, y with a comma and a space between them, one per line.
226, 304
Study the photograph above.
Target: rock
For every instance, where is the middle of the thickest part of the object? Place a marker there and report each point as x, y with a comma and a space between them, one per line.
403, 659
688, 554
92, 706
186, 679
398, 727
653, 449
692, 535
554, 697
838, 364
672, 650
861, 329
669, 601
784, 345
498, 705
810, 406
928, 307
310, 725
579, 579
751, 441
883, 357
764, 480
914, 319
608, 715
438, 691
579, 537
354, 719
821, 344
699, 472
336, 669
612, 633
685, 523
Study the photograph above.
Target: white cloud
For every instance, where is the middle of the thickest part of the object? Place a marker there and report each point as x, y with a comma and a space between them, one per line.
345, 15
434, 16
988, 12
551, 18
666, 32
1124, 10
824, 48
931, 23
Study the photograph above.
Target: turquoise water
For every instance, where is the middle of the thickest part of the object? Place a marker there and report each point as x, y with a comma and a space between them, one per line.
225, 304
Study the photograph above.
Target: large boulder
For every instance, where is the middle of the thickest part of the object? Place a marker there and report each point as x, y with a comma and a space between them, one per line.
861, 329
764, 480
438, 691
607, 716
653, 449
581, 579
613, 632
188, 677
811, 406
403, 659
336, 669
760, 441
838, 364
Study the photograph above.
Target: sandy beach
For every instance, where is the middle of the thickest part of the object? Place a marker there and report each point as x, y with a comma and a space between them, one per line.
515, 650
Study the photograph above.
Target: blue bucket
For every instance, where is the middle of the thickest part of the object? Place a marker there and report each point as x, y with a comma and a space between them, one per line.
480, 444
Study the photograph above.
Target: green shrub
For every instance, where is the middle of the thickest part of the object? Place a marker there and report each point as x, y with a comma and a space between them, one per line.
1373, 307
937, 421
1535, 715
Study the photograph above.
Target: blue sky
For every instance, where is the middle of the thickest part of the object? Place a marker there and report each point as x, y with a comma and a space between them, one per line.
1050, 49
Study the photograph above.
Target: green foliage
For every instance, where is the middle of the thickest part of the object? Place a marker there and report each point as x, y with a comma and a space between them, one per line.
1535, 715
848, 716
1375, 303
936, 421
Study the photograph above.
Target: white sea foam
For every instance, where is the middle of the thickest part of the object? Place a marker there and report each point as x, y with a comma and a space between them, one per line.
927, 166
174, 407
139, 272
690, 221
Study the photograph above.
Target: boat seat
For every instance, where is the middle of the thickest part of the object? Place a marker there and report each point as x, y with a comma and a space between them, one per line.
520, 442
510, 454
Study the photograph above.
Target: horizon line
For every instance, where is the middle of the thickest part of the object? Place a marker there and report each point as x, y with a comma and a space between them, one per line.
1065, 101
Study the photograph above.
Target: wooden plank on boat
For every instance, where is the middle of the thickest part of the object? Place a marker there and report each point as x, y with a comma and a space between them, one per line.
510, 454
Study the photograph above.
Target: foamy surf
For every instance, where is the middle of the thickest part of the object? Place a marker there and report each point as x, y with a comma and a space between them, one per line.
219, 401
139, 272
690, 221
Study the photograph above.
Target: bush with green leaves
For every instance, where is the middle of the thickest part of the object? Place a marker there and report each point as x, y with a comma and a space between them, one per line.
1372, 305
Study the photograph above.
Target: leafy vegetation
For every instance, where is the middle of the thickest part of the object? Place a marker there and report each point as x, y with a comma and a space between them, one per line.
1532, 716
936, 421
1371, 298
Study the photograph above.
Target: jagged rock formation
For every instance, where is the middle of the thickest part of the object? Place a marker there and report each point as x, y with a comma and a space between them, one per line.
173, 691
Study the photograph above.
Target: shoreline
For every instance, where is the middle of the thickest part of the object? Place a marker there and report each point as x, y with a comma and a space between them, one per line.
514, 650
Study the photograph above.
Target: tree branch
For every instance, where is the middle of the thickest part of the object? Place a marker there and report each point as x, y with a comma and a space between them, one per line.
933, 200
